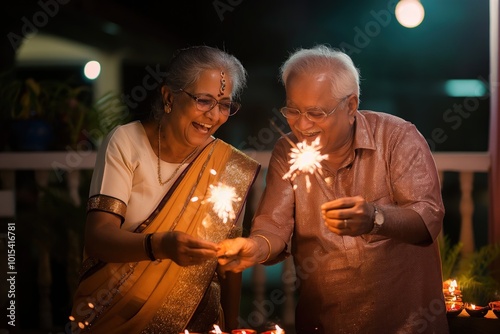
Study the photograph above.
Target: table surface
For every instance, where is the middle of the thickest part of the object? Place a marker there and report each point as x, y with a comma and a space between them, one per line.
463, 323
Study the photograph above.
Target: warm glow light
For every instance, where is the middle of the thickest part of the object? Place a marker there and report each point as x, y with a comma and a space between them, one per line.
452, 287
217, 330
92, 69
305, 158
410, 13
223, 197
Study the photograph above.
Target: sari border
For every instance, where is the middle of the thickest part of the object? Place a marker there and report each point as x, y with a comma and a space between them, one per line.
106, 203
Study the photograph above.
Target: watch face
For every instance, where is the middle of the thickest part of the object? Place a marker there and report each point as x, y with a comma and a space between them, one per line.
379, 217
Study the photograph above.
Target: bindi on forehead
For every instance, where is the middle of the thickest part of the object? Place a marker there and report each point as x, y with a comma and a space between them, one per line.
222, 83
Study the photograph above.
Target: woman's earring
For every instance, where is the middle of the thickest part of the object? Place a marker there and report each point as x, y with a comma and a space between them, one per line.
167, 108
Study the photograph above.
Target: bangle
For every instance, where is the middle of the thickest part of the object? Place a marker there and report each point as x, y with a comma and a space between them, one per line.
149, 247
268, 243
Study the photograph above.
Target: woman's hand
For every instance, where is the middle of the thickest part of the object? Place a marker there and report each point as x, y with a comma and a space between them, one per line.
348, 215
182, 248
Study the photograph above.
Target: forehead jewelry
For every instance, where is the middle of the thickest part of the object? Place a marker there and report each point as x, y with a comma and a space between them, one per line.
222, 83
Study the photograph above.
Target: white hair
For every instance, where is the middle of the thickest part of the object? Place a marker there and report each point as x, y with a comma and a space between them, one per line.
337, 65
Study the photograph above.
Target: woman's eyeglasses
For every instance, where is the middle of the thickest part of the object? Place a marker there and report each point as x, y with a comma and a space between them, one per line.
206, 103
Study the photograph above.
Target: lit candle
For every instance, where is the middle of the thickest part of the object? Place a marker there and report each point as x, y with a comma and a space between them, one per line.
278, 330
453, 308
495, 308
217, 330
476, 311
243, 331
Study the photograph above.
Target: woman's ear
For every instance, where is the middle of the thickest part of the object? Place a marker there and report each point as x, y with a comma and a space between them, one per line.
166, 95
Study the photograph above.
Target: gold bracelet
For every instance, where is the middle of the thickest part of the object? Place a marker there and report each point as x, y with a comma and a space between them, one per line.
268, 243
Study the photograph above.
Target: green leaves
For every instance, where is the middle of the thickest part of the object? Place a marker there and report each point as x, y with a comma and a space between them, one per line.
472, 271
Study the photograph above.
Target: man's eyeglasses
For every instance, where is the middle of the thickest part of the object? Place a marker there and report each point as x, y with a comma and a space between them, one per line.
313, 114
206, 103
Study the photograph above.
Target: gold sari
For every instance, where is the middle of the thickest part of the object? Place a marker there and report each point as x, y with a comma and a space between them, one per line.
161, 296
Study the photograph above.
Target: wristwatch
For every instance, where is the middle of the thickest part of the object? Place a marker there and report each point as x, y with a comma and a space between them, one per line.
378, 220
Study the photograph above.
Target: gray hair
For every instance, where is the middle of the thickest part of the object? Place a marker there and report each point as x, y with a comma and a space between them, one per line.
187, 65
344, 76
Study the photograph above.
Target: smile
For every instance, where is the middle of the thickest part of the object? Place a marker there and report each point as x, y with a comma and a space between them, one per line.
310, 134
202, 126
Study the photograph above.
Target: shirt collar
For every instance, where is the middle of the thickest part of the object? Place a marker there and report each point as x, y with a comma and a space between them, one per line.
363, 134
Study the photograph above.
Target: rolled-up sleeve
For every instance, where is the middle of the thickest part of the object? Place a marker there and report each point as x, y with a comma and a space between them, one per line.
414, 177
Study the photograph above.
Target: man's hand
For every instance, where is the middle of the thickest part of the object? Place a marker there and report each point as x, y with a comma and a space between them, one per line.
348, 216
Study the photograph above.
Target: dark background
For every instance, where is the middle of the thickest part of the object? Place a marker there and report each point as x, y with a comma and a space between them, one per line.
403, 70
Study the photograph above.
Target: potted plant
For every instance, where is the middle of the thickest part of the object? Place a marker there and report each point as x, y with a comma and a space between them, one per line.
23, 107
52, 114
471, 271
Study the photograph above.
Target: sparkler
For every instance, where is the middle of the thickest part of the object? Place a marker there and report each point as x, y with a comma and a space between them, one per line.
304, 158
222, 197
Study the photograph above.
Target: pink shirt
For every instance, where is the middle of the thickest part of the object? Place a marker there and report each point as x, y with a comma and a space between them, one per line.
369, 283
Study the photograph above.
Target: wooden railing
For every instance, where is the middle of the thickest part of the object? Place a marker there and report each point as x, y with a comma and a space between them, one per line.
67, 167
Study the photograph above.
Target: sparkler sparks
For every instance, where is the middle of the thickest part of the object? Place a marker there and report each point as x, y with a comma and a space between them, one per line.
304, 158
223, 197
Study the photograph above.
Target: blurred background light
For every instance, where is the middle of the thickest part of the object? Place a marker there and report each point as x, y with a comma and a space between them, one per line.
111, 28
92, 69
410, 13
465, 88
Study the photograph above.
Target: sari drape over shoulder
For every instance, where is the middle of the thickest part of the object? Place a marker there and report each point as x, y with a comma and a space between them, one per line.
161, 296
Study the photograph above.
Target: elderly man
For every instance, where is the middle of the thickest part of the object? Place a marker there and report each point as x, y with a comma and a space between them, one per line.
362, 228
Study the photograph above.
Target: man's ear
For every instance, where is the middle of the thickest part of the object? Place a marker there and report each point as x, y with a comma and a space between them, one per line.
353, 103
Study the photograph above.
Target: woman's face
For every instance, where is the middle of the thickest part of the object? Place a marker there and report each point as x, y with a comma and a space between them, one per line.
308, 91
190, 126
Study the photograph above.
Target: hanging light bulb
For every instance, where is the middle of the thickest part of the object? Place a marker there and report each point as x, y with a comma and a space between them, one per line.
410, 13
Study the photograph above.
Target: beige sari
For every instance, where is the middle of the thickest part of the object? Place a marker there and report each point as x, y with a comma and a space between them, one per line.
161, 296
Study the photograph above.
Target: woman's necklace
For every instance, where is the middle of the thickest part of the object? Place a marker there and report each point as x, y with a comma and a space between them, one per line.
159, 160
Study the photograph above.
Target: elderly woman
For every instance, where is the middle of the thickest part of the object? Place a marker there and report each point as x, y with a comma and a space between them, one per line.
362, 231
150, 247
